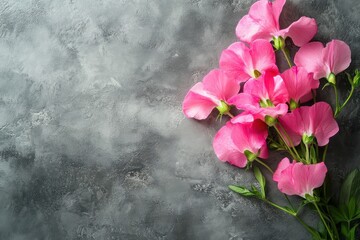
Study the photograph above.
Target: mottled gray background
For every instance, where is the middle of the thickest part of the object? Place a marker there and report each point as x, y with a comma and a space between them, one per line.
93, 142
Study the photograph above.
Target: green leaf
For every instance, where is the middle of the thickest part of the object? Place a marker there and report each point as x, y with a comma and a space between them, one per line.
350, 187
351, 234
242, 191
261, 179
337, 214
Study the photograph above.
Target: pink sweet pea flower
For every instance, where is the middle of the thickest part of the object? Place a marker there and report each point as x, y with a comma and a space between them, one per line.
214, 91
241, 142
299, 84
324, 61
265, 96
244, 63
308, 122
262, 22
298, 179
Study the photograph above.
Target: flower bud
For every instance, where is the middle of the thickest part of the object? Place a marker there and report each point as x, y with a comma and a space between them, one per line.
223, 108
270, 121
331, 78
278, 43
293, 105
250, 156
307, 139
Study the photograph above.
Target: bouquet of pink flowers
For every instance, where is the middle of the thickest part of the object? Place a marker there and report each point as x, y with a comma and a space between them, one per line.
278, 110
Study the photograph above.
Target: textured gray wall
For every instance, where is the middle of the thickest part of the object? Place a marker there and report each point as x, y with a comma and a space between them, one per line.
93, 142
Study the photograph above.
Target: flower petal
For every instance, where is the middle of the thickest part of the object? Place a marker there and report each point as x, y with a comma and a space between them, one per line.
310, 57
220, 85
299, 83
263, 56
301, 31
337, 55
198, 103
225, 149
323, 123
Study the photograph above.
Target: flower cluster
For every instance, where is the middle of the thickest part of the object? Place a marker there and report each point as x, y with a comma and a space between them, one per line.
270, 108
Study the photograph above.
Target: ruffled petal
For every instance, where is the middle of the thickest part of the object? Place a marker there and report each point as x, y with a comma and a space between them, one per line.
299, 83
310, 57
323, 124
236, 61
225, 149
220, 85
301, 31
198, 103
337, 55
263, 56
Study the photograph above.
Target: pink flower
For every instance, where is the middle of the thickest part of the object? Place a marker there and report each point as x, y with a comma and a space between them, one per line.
214, 91
309, 122
262, 22
298, 179
265, 96
324, 61
238, 143
243, 62
299, 84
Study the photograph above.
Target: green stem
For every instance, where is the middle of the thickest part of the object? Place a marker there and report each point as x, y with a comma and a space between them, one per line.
324, 153
346, 101
291, 149
307, 153
287, 57
265, 165
337, 108
292, 213
323, 220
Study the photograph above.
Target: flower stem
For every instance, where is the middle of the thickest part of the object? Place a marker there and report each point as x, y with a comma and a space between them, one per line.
346, 101
265, 165
287, 57
291, 212
324, 153
337, 107
323, 220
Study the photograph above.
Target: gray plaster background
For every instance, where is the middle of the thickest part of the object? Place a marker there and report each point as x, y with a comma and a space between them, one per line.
93, 143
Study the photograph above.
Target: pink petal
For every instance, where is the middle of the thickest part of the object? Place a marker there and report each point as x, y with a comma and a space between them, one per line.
337, 55
316, 177
323, 124
310, 57
251, 136
294, 126
233, 66
244, 117
299, 83
236, 61
308, 177
299, 179
263, 56
283, 164
277, 7
301, 31
198, 103
225, 149
259, 23
243, 100
219, 85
